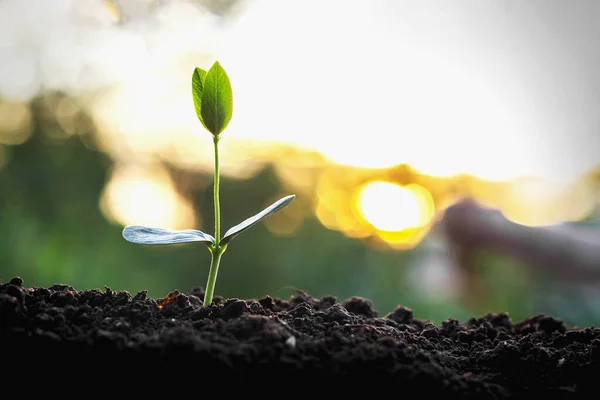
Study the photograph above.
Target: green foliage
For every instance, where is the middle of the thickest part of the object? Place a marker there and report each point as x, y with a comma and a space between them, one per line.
213, 98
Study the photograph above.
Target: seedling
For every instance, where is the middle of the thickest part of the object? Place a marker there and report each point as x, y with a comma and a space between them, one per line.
213, 101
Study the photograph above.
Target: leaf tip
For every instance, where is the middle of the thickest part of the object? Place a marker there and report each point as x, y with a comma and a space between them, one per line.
128, 233
199, 72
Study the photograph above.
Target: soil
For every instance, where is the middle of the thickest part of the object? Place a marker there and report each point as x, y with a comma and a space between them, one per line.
293, 347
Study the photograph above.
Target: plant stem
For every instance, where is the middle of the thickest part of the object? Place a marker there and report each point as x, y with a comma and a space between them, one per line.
212, 275
217, 250
216, 194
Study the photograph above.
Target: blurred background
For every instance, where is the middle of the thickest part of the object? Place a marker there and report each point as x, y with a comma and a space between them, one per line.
378, 115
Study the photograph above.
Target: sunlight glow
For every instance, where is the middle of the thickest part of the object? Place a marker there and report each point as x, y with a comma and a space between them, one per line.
539, 203
392, 208
146, 196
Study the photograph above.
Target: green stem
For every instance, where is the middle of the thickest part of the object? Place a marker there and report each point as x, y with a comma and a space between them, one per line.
216, 250
216, 194
212, 275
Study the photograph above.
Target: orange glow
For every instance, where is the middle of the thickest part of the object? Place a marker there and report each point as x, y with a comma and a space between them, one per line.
334, 211
398, 215
393, 208
168, 299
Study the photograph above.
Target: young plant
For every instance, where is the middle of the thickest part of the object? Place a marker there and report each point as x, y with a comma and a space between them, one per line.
213, 101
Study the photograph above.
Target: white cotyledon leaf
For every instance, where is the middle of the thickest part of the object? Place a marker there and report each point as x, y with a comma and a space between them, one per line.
239, 228
148, 235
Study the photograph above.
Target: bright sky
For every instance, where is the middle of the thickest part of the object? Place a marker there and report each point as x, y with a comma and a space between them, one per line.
493, 89
362, 93
447, 87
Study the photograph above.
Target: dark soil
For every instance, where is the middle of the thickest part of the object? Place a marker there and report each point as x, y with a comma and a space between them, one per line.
299, 345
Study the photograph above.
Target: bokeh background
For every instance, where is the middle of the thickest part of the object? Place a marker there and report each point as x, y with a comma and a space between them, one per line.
378, 115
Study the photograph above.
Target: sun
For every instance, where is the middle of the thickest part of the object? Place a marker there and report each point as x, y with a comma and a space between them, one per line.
392, 208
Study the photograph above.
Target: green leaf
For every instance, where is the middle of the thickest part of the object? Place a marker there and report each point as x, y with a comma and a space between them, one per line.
216, 106
197, 88
239, 228
148, 235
